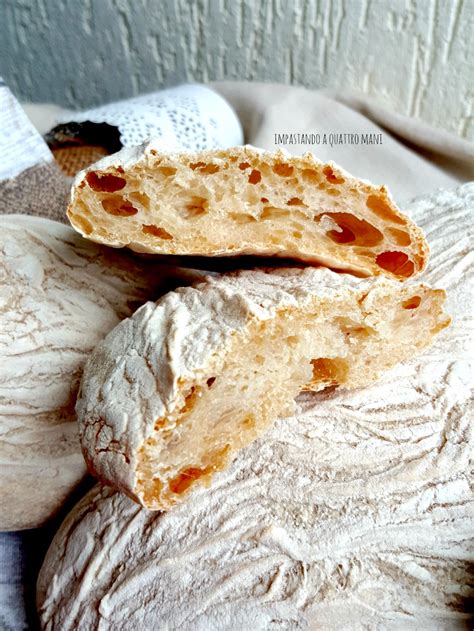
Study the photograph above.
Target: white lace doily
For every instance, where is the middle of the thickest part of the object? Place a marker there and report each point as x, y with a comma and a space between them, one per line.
187, 117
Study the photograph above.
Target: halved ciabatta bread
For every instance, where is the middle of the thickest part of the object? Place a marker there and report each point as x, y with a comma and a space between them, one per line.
245, 201
174, 390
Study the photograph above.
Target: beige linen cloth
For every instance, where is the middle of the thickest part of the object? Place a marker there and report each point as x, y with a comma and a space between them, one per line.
413, 159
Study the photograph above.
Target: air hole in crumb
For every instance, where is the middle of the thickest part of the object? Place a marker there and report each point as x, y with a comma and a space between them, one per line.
397, 263
310, 175
82, 222
352, 230
105, 183
271, 212
248, 422
118, 206
255, 177
259, 359
167, 171
293, 340
412, 303
399, 236
380, 207
242, 217
244, 165
160, 423
210, 381
333, 191
329, 371
189, 475
190, 399
156, 231
344, 235
297, 234
331, 177
195, 207
207, 169
353, 329
183, 480
210, 169
295, 201
282, 169
141, 198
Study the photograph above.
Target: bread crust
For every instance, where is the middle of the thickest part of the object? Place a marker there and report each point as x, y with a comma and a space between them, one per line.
244, 200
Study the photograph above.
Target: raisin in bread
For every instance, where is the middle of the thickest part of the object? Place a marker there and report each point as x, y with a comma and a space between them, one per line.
245, 201
176, 389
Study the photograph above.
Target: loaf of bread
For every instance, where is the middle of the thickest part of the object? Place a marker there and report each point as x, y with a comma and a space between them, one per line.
60, 295
245, 201
173, 391
356, 513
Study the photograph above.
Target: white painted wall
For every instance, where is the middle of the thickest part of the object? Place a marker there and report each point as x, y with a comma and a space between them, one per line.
414, 56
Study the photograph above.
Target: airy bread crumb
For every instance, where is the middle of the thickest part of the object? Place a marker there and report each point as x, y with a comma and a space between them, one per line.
245, 201
184, 383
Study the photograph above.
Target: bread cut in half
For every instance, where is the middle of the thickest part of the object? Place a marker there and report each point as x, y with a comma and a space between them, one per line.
245, 201
176, 389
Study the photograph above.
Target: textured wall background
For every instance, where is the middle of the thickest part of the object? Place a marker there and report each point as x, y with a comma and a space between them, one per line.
414, 56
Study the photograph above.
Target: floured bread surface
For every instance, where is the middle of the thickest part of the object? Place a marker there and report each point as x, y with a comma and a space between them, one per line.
356, 513
60, 295
173, 391
245, 201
